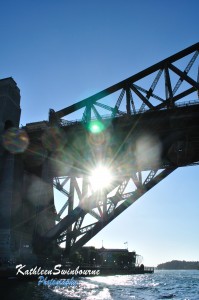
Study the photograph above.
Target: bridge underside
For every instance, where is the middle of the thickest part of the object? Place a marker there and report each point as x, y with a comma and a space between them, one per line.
139, 150
148, 133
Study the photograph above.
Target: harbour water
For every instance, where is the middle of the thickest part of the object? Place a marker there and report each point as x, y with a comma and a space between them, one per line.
177, 285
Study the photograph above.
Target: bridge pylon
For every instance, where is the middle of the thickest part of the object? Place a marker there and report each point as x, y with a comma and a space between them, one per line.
11, 171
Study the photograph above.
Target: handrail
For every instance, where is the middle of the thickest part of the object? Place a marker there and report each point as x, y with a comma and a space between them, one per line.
108, 116
42, 125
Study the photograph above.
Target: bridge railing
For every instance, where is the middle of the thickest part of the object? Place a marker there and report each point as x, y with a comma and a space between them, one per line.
188, 103
108, 116
42, 125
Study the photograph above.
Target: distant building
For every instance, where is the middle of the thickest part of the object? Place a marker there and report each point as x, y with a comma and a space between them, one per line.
107, 257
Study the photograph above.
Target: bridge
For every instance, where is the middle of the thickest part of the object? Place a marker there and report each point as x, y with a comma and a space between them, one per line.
127, 139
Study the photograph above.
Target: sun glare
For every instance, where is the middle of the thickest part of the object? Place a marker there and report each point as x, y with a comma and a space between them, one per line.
101, 177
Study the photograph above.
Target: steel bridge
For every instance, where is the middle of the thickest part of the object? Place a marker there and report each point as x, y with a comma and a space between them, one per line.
141, 129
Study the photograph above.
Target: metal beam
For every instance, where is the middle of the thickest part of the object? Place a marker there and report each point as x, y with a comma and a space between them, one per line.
184, 76
127, 82
129, 201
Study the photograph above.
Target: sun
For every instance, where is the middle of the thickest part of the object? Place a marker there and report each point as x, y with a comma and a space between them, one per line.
100, 178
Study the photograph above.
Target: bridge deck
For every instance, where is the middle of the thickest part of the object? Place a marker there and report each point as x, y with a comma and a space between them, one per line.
174, 131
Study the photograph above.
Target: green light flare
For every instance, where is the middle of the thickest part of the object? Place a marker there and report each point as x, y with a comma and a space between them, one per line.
96, 127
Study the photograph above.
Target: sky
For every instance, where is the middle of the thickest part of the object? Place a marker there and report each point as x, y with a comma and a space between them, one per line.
61, 51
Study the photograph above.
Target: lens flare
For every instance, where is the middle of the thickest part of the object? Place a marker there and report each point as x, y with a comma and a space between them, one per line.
52, 139
100, 178
62, 162
96, 139
15, 140
96, 127
35, 155
148, 152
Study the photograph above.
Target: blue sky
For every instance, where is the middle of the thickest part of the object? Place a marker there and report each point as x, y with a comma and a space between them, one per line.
60, 52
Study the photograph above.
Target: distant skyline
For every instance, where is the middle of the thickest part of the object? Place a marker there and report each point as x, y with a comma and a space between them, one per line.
60, 52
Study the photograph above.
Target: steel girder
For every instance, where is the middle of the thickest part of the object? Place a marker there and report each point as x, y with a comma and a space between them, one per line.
160, 92
147, 95
117, 199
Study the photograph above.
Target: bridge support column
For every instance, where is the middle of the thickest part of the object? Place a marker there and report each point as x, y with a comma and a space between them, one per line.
41, 195
10, 174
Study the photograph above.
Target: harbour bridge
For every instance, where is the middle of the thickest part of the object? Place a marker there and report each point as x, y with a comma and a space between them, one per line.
128, 138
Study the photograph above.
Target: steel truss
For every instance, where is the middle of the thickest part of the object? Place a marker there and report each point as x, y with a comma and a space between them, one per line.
86, 211
138, 97
103, 206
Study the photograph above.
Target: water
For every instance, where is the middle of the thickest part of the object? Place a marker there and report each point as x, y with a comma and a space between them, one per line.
177, 285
